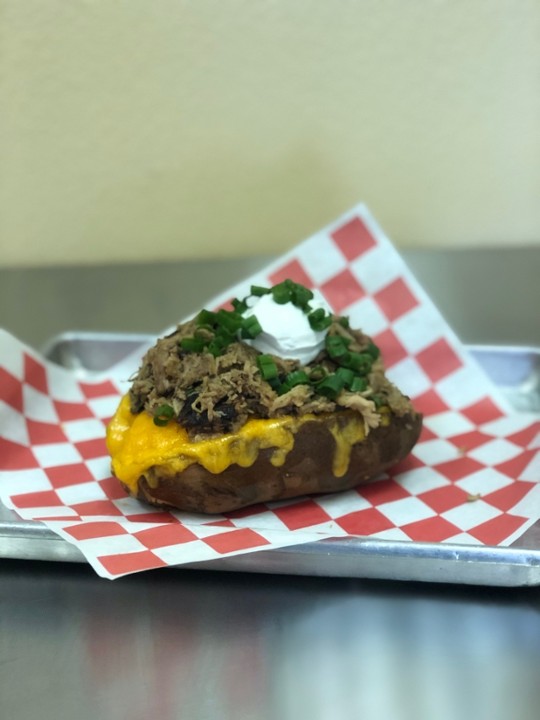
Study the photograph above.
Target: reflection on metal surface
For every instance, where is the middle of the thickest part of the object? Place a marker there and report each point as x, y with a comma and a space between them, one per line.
214, 646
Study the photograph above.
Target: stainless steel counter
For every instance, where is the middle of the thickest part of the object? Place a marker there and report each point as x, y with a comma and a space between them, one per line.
209, 645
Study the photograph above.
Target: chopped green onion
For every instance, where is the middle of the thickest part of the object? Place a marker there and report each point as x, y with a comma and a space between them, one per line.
297, 377
377, 399
344, 321
193, 344
230, 321
205, 317
316, 315
330, 387
163, 414
240, 306
346, 375
281, 293
251, 327
258, 291
359, 384
301, 296
267, 367
373, 350
359, 362
336, 346
319, 320
217, 345
317, 374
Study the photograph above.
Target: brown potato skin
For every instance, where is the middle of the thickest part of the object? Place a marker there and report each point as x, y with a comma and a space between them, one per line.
307, 470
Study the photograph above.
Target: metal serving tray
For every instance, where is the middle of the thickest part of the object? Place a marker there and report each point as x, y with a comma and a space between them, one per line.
516, 371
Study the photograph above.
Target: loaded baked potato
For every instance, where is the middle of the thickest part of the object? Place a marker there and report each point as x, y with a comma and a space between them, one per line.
273, 399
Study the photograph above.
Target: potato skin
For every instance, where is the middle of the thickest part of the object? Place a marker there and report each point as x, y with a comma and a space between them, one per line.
307, 470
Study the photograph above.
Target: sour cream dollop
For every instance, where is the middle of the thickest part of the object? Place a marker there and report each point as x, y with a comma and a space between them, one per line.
286, 331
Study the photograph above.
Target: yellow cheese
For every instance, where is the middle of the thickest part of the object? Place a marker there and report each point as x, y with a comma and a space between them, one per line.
135, 443
345, 436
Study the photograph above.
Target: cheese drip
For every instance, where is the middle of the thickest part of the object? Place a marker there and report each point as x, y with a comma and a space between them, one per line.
136, 444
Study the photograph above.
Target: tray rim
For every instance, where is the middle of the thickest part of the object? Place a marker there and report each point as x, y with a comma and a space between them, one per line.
470, 564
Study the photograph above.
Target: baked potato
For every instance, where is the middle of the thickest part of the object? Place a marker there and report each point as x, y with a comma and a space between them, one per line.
212, 424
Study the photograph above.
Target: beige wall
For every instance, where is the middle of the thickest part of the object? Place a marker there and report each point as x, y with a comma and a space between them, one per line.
142, 129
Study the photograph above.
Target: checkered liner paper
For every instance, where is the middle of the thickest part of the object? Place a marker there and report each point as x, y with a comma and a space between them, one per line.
472, 478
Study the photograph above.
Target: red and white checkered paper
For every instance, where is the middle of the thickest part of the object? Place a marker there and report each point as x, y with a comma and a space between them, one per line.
472, 478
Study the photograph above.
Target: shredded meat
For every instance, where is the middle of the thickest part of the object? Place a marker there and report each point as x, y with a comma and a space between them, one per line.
363, 405
213, 395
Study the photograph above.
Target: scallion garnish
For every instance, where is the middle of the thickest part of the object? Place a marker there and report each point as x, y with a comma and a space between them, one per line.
317, 374
218, 345
346, 375
230, 321
336, 346
205, 317
163, 414
373, 350
258, 291
267, 367
193, 344
281, 293
359, 384
377, 399
319, 320
316, 315
301, 296
297, 377
331, 386
240, 306
251, 327
359, 362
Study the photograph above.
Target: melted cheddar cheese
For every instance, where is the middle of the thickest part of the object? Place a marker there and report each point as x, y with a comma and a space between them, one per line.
135, 443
